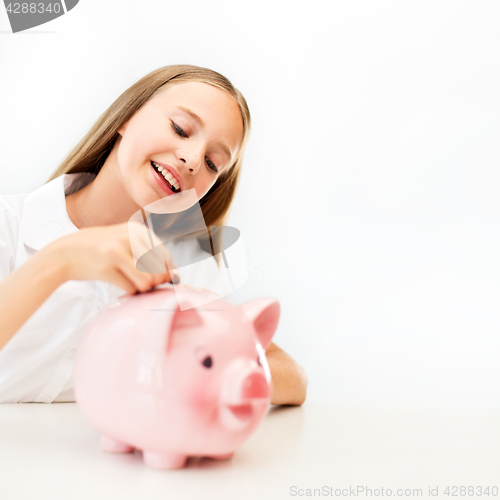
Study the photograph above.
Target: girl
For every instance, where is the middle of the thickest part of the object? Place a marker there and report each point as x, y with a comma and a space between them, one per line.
65, 249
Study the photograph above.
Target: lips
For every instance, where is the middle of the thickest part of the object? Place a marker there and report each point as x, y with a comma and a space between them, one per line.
163, 184
172, 172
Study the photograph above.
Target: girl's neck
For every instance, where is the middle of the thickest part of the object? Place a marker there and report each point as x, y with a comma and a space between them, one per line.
102, 201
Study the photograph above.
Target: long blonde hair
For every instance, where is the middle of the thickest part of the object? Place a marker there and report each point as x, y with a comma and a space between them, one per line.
91, 152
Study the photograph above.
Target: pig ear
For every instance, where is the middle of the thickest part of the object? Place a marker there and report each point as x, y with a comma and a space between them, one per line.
181, 320
264, 315
159, 332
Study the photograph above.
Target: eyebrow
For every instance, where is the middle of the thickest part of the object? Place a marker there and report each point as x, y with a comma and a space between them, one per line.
201, 123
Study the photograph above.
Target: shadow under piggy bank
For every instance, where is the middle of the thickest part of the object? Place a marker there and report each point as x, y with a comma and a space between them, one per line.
176, 383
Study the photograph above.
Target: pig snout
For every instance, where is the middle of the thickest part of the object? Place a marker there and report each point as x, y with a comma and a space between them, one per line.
244, 392
244, 382
255, 387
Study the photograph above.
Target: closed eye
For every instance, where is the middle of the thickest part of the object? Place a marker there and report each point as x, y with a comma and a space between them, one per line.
178, 130
211, 166
181, 133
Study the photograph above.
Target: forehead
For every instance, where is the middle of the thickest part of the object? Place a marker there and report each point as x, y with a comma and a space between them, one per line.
207, 99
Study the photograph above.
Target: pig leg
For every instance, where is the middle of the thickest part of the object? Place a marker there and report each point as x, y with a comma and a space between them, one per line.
164, 459
113, 446
225, 456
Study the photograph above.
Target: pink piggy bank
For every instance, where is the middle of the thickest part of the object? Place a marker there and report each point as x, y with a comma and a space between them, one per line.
176, 383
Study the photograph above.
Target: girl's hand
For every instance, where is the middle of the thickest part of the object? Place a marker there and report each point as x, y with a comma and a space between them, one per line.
105, 253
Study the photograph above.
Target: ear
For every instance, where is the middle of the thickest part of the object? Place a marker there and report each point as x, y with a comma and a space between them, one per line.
182, 320
264, 315
160, 326
122, 129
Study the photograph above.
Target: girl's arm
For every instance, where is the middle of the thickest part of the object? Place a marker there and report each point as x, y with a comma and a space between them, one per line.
289, 378
105, 254
25, 290
100, 253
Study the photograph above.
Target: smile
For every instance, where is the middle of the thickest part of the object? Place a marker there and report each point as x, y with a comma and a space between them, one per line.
170, 180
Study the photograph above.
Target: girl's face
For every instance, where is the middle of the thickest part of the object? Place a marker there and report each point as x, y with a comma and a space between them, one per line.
191, 132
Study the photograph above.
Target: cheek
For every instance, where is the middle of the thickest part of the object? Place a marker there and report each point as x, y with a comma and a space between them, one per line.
155, 143
204, 184
123, 154
198, 388
139, 143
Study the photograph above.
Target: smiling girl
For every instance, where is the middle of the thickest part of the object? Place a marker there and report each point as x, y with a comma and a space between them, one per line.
65, 249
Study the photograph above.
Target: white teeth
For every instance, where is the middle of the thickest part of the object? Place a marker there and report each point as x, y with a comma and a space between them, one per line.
168, 176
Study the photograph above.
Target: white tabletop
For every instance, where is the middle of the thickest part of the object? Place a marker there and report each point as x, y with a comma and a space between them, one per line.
50, 451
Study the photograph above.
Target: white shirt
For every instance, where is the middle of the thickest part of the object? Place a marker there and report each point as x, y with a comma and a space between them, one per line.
36, 365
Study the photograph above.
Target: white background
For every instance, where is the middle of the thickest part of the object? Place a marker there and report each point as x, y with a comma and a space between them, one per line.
369, 199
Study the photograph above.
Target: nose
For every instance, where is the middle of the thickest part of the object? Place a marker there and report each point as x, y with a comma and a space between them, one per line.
192, 158
255, 387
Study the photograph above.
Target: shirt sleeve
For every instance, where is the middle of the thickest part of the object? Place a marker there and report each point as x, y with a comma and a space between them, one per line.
8, 241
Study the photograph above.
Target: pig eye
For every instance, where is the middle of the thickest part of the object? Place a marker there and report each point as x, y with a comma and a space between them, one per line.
207, 362
259, 361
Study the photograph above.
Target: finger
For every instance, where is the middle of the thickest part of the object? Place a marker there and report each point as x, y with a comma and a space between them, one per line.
150, 268
125, 264
119, 279
142, 245
158, 279
143, 281
171, 268
152, 256
147, 242
147, 249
